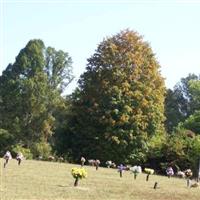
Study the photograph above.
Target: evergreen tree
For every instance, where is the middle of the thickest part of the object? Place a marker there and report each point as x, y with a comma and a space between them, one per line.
30, 91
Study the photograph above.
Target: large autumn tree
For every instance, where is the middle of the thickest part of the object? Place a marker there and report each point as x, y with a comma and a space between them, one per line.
30, 91
118, 106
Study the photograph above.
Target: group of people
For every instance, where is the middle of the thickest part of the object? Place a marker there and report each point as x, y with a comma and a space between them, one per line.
7, 156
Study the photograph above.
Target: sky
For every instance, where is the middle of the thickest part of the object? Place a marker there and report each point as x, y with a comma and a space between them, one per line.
171, 27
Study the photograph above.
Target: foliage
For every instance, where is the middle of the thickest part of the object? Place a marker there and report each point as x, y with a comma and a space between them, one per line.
184, 88
30, 92
6, 140
183, 149
41, 149
175, 109
181, 102
119, 102
79, 173
193, 122
61, 140
26, 152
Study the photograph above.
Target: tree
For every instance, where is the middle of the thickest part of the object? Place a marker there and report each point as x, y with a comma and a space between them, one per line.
30, 91
182, 149
180, 102
119, 102
175, 109
58, 68
183, 88
193, 121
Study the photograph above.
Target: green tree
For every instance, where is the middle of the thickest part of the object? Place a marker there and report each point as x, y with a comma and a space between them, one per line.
6, 139
175, 109
183, 87
193, 121
182, 149
30, 91
180, 102
119, 103
194, 88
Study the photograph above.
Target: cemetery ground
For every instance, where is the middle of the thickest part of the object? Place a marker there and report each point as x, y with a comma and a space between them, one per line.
44, 180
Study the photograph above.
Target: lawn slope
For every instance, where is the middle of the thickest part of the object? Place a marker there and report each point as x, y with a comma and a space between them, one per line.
49, 180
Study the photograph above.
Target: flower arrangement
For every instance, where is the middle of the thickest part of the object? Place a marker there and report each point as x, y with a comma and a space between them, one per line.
120, 169
78, 173
148, 171
170, 172
188, 173
136, 170
181, 174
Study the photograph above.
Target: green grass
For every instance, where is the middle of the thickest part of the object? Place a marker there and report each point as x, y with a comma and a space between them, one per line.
48, 180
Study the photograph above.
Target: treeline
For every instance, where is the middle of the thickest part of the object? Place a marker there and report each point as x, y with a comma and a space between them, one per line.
120, 111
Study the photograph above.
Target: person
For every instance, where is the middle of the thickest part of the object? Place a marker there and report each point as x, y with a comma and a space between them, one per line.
7, 157
19, 157
82, 161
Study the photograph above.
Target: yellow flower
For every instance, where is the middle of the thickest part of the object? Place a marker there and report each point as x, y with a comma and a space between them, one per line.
79, 173
148, 171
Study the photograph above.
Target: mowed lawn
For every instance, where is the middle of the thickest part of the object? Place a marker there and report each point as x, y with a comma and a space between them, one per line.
49, 180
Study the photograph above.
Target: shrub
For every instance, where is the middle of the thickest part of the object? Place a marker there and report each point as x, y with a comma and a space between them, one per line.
26, 152
42, 149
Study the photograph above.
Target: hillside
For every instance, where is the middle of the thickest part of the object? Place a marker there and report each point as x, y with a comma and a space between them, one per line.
48, 180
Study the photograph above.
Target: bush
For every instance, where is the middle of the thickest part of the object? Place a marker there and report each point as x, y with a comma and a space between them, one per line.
41, 149
26, 152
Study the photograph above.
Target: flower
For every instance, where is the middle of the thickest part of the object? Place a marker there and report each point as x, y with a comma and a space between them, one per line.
136, 169
170, 171
149, 171
79, 173
121, 168
188, 173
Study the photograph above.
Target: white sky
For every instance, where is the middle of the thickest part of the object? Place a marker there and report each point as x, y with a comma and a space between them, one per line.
171, 27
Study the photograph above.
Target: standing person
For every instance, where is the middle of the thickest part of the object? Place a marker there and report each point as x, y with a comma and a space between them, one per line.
19, 157
7, 157
82, 161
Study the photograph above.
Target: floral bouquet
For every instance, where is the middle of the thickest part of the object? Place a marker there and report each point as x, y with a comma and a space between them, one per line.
170, 172
188, 173
120, 169
148, 171
136, 170
78, 173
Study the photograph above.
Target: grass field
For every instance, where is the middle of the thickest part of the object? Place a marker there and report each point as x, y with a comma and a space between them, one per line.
48, 180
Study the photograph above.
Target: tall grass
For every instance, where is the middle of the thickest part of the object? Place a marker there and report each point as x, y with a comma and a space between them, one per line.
48, 180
